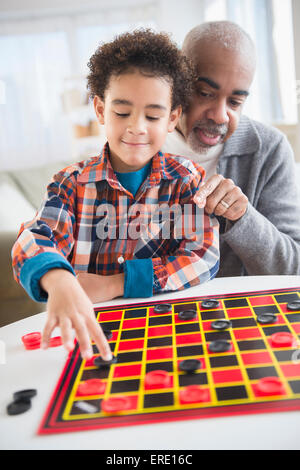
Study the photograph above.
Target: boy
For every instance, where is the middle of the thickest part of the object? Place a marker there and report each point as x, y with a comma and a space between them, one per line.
92, 240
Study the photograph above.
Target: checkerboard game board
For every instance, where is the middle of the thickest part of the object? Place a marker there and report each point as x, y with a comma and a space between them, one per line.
194, 358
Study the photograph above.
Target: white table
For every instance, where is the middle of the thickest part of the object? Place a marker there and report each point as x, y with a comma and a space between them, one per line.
41, 369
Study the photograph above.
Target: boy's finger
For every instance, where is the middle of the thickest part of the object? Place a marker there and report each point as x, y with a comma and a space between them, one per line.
100, 340
66, 333
83, 337
51, 323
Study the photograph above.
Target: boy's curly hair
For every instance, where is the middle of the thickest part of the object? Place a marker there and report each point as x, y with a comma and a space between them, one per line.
151, 53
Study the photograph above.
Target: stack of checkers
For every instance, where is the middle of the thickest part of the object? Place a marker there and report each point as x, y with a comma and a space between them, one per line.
33, 340
21, 402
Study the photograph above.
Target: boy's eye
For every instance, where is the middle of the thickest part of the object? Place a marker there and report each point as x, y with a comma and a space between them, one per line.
122, 114
152, 118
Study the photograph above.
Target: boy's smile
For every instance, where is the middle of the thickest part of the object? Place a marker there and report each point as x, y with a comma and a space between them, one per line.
137, 115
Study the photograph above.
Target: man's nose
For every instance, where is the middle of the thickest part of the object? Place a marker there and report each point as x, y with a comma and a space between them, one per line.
217, 112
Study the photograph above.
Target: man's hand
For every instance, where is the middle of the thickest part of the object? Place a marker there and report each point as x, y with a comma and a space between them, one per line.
69, 307
100, 288
222, 197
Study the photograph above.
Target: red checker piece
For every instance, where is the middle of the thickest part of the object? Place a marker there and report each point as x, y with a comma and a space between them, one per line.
282, 339
55, 341
32, 340
157, 379
116, 404
193, 394
91, 387
269, 386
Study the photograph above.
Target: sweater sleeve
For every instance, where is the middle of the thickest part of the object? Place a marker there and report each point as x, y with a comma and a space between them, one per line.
267, 237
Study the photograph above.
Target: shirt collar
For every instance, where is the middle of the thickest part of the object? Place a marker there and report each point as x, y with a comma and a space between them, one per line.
100, 169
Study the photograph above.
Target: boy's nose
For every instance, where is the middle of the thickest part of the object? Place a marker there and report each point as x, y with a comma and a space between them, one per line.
218, 112
137, 126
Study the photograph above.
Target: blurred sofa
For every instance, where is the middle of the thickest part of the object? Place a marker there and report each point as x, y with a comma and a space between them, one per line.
21, 193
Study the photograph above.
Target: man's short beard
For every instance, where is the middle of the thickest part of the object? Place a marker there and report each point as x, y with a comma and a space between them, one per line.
194, 142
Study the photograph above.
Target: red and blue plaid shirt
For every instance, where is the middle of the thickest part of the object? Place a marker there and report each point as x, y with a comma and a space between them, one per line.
89, 223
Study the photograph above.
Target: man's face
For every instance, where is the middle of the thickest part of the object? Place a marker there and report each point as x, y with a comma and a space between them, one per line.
222, 86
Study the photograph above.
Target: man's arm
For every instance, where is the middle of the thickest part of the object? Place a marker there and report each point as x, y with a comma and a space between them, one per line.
266, 237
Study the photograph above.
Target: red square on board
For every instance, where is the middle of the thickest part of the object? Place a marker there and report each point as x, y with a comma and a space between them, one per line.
239, 312
296, 327
247, 333
261, 300
110, 316
127, 370
131, 345
256, 358
189, 339
134, 323
159, 331
291, 370
231, 375
159, 353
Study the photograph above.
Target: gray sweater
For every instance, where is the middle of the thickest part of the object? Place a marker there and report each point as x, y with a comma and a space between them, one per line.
266, 240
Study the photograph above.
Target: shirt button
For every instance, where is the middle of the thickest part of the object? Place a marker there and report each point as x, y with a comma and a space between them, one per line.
121, 260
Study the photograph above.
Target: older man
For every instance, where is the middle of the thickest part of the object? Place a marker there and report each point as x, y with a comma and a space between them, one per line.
250, 182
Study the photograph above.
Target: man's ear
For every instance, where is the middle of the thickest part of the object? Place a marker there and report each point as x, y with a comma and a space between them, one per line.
174, 118
99, 108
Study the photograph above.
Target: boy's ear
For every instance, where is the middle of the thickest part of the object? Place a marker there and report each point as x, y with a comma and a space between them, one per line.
99, 108
174, 118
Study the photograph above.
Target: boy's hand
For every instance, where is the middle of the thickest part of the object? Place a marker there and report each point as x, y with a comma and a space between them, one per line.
221, 196
100, 288
69, 307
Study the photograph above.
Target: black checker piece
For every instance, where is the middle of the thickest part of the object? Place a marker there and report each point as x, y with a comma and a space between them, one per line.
221, 325
162, 308
190, 365
294, 305
187, 314
210, 303
267, 318
219, 345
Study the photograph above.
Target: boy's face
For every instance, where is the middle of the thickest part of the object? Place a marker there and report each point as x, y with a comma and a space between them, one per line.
137, 115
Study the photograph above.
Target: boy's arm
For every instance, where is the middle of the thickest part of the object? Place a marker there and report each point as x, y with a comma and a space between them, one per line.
45, 242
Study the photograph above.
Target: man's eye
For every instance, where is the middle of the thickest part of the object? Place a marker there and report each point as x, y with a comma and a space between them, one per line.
235, 104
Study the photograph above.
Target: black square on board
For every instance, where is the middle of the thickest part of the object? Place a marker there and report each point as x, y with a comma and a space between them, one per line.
193, 379
95, 373
265, 309
232, 303
256, 373
293, 317
157, 342
135, 313
237, 392
123, 386
183, 307
131, 356
158, 399
185, 351
284, 355
286, 298
167, 366
110, 325
214, 336
212, 315
269, 330
160, 320
131, 334
223, 361
249, 345
295, 385
187, 328
243, 322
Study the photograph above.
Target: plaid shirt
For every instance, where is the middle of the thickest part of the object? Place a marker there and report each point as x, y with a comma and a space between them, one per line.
97, 226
